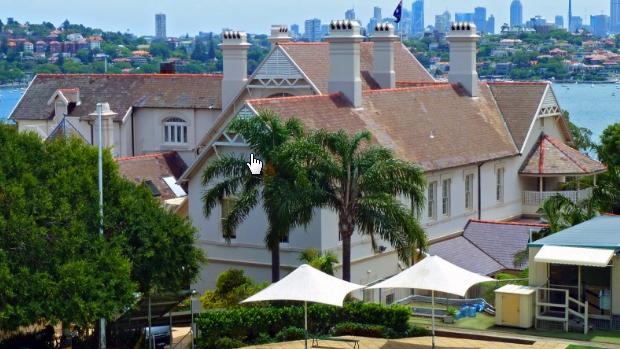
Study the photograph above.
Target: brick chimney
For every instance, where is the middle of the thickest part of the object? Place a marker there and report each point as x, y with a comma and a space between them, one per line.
235, 55
462, 38
384, 38
344, 55
279, 33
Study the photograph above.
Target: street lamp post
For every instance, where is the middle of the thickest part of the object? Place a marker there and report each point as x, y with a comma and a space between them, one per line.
102, 339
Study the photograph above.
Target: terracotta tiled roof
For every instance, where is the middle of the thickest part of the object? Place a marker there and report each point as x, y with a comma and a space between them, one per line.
313, 59
122, 91
552, 157
153, 167
436, 126
518, 103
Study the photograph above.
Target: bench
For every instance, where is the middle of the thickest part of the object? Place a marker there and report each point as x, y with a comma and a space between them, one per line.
356, 342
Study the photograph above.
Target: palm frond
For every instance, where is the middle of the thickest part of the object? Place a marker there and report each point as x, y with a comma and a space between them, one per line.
223, 167
226, 188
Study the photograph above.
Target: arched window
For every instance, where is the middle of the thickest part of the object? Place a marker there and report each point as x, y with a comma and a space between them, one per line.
175, 131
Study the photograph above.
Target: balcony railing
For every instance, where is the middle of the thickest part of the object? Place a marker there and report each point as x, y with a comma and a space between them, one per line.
536, 198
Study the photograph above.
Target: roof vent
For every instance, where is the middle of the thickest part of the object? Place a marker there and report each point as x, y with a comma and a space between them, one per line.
167, 67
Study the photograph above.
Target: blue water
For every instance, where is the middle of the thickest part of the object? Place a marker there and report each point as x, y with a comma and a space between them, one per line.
591, 106
8, 99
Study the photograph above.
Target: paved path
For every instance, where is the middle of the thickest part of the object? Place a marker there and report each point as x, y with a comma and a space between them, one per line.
416, 343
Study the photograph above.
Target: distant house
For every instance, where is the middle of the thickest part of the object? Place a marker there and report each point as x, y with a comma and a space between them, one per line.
28, 47
40, 46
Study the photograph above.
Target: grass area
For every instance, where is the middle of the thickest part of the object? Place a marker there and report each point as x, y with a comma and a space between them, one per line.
483, 322
580, 347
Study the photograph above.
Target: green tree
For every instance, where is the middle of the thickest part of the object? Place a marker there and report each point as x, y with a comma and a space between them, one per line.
609, 150
364, 185
54, 264
280, 187
200, 51
321, 261
231, 287
160, 49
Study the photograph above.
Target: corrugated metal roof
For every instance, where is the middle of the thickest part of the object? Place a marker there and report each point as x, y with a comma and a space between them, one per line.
599, 232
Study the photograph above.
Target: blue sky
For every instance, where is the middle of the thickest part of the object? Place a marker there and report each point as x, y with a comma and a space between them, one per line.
191, 16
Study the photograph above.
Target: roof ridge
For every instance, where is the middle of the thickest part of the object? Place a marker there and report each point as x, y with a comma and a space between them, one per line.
429, 86
301, 43
293, 98
519, 83
558, 147
55, 75
144, 156
484, 221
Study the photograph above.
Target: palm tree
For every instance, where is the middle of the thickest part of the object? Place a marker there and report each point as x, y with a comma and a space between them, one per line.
363, 183
280, 188
559, 213
323, 261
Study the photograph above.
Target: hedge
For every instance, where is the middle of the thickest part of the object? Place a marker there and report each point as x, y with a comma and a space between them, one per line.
248, 324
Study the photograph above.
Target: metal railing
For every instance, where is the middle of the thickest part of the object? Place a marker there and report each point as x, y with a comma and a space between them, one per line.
536, 198
545, 307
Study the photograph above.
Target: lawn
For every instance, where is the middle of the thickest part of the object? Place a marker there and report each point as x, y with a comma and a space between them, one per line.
580, 347
480, 322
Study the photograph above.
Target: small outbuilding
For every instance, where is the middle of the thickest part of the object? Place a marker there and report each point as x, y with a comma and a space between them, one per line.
514, 306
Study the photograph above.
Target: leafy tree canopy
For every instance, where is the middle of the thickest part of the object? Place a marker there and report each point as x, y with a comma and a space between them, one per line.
54, 264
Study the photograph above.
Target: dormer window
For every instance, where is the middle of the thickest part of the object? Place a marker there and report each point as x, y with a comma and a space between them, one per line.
175, 131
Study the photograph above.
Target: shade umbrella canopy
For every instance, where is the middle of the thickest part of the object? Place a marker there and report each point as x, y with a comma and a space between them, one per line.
435, 274
307, 284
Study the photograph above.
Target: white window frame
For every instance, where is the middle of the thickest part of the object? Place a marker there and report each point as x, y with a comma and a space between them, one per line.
224, 207
175, 131
432, 200
469, 192
446, 189
499, 184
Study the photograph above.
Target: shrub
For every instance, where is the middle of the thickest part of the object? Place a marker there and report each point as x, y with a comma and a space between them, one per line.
228, 343
232, 286
264, 338
361, 330
417, 331
249, 323
290, 334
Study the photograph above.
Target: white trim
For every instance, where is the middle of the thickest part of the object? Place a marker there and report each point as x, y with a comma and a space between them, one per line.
529, 131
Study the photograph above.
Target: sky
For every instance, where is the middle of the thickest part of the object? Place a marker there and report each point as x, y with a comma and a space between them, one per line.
256, 16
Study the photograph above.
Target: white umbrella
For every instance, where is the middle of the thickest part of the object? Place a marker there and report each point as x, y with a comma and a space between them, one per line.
306, 284
434, 274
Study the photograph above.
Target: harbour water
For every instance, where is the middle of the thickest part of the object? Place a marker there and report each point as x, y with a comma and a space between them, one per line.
591, 106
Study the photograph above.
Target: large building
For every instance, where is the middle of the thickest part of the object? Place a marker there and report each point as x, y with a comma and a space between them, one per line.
312, 30
376, 13
442, 22
480, 19
489, 151
516, 13
417, 17
350, 14
491, 25
464, 17
559, 21
160, 26
599, 25
614, 19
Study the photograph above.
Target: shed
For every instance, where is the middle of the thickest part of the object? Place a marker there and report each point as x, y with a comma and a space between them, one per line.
514, 306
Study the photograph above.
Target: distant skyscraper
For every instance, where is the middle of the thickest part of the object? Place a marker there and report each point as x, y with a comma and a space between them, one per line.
350, 14
559, 21
417, 17
442, 22
490, 25
599, 25
516, 13
160, 26
312, 29
480, 19
570, 16
576, 23
295, 30
377, 13
464, 17
614, 20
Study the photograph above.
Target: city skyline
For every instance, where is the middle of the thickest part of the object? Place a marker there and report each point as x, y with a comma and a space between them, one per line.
192, 16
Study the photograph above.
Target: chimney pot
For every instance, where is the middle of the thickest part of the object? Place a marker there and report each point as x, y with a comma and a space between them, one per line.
279, 34
235, 56
463, 38
383, 40
344, 66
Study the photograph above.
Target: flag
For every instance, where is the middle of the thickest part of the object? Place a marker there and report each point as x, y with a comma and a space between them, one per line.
399, 11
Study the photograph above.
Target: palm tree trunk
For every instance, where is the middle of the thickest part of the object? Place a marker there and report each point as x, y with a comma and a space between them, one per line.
275, 263
346, 256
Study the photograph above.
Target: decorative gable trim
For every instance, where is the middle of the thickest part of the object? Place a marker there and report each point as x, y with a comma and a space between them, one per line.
278, 66
228, 138
549, 105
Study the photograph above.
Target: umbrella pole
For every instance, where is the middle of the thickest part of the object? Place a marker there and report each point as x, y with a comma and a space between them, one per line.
306, 324
433, 316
